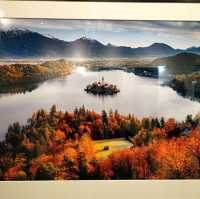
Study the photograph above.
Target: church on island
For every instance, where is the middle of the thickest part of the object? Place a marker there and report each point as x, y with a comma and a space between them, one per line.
102, 88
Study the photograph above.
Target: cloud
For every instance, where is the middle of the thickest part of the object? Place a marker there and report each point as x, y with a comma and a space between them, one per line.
173, 30
65, 25
108, 25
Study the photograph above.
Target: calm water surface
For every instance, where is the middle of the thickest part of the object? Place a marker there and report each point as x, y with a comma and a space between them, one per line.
138, 95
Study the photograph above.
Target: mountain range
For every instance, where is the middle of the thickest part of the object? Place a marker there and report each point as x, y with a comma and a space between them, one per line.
19, 43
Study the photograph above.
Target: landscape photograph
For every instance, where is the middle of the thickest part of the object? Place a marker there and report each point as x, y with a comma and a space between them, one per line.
99, 100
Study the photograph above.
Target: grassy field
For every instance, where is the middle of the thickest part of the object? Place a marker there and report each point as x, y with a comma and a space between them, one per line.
115, 144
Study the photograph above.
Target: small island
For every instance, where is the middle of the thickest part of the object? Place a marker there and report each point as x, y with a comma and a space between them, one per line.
102, 88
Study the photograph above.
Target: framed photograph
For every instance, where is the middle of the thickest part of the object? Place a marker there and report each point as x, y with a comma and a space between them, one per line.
95, 103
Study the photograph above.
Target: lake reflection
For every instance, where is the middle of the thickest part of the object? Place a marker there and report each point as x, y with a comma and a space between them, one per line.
138, 95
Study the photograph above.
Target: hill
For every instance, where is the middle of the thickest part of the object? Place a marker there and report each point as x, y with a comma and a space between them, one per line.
22, 74
19, 43
194, 50
180, 63
155, 49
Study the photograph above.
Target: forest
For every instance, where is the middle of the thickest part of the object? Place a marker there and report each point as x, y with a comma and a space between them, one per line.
188, 85
59, 145
21, 74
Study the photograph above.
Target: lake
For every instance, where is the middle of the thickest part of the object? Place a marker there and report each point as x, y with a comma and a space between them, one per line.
138, 95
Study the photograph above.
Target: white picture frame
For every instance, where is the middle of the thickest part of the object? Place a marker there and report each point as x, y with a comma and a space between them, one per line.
175, 189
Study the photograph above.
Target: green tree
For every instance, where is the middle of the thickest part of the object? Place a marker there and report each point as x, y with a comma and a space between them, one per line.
162, 122
146, 123
142, 138
82, 166
104, 117
46, 171
189, 119
71, 169
53, 110
14, 135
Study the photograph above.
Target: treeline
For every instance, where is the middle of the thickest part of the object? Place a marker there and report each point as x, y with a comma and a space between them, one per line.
33, 73
19, 88
187, 85
176, 158
59, 145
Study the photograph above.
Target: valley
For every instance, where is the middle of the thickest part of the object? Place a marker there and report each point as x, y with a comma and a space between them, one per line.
122, 106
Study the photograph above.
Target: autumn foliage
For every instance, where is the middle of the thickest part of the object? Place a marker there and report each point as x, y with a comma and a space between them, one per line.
60, 146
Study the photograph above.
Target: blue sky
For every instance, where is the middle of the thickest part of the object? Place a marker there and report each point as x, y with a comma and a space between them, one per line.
124, 33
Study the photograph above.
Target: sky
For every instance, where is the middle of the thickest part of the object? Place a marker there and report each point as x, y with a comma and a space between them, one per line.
120, 33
